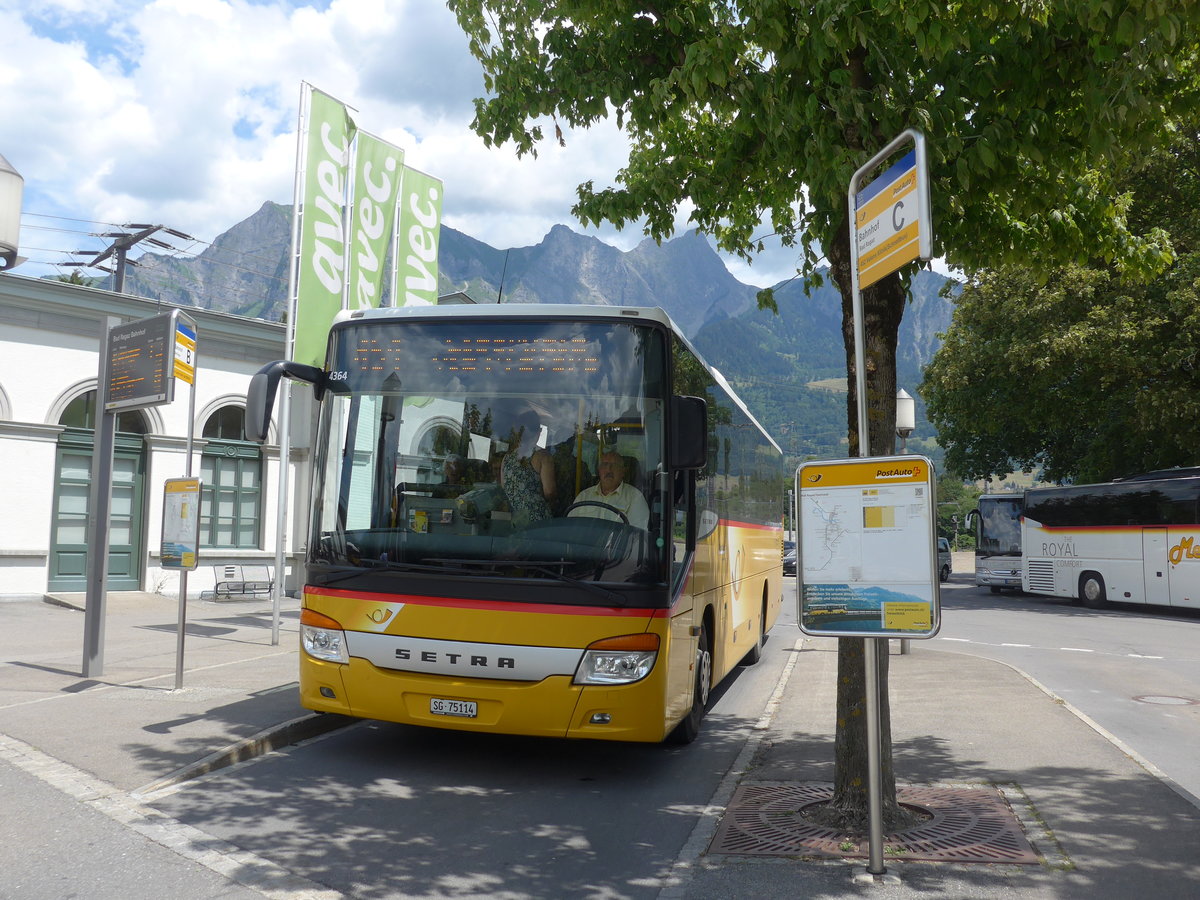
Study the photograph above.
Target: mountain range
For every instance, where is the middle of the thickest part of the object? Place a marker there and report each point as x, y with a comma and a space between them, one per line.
789, 368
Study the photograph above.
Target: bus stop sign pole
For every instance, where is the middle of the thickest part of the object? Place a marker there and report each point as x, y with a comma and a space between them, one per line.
138, 366
889, 226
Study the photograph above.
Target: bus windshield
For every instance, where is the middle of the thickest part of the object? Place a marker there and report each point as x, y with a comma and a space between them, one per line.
999, 526
474, 448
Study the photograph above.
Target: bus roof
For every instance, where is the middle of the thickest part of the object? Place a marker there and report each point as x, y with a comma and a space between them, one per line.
1177, 472
513, 311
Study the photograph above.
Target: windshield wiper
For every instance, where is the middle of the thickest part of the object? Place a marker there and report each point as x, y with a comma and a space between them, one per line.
542, 566
365, 566
615, 598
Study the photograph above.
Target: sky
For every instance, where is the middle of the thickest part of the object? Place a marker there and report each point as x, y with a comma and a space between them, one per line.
184, 113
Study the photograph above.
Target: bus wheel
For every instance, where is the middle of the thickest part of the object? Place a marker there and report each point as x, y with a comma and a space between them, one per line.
687, 730
1091, 590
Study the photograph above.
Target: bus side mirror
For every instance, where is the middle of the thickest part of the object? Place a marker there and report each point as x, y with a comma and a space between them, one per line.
971, 518
689, 433
264, 385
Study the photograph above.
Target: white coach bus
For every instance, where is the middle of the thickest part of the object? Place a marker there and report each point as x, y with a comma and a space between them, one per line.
1131, 541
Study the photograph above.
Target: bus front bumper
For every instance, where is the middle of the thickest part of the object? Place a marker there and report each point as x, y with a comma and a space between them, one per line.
553, 707
997, 579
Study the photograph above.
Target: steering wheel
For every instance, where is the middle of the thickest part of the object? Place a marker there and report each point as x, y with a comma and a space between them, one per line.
579, 503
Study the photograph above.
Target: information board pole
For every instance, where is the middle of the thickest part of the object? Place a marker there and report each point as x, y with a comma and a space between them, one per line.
99, 503
183, 573
871, 646
138, 365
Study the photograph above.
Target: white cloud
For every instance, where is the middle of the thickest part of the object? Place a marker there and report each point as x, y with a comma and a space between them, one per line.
183, 112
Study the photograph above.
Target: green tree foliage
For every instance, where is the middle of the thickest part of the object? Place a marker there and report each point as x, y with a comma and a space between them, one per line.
1083, 373
954, 500
745, 112
76, 277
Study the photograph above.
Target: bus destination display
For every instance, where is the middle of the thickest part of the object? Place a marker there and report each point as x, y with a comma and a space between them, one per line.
483, 354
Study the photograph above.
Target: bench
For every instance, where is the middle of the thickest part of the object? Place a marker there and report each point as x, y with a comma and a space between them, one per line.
240, 581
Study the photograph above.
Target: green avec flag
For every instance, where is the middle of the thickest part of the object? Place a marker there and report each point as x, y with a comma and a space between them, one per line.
420, 229
321, 282
377, 171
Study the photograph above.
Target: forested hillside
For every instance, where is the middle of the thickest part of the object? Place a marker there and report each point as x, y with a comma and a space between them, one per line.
789, 368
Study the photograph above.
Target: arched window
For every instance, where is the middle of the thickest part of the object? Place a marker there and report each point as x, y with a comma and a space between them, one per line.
81, 413
231, 471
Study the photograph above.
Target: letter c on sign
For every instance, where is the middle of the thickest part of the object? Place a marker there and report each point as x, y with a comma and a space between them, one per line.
897, 220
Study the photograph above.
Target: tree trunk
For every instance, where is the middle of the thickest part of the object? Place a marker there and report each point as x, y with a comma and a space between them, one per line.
883, 307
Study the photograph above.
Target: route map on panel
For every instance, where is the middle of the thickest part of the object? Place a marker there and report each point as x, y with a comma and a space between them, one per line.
829, 539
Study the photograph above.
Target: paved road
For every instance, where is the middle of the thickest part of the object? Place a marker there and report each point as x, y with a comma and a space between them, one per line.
382, 810
64, 845
1134, 671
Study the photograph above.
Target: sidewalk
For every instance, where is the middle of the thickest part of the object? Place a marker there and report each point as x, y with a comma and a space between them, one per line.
1100, 824
128, 726
1103, 826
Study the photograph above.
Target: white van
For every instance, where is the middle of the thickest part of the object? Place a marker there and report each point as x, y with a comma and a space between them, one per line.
945, 560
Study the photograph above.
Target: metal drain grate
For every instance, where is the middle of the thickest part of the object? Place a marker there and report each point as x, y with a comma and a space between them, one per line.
965, 825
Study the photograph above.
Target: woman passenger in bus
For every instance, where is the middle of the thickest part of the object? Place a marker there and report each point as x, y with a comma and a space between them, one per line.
527, 473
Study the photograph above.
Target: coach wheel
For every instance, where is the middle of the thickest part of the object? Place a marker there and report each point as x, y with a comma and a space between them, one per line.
687, 730
1091, 590
754, 654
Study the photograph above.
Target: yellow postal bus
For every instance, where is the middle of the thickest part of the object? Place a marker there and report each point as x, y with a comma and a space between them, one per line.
537, 520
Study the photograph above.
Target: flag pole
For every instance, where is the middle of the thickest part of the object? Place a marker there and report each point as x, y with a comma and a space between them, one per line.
285, 405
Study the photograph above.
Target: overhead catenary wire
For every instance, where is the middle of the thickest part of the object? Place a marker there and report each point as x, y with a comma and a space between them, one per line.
163, 249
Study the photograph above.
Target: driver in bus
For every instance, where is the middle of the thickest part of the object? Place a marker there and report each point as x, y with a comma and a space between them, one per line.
612, 496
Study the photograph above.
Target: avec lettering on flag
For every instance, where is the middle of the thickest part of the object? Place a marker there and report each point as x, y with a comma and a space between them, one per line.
355, 199
378, 167
321, 207
420, 230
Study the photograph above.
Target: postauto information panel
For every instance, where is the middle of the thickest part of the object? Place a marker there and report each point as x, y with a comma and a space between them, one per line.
867, 548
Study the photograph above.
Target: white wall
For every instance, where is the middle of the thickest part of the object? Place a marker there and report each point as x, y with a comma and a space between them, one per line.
50, 340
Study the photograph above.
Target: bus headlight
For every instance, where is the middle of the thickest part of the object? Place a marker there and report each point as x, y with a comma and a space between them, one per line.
619, 660
322, 637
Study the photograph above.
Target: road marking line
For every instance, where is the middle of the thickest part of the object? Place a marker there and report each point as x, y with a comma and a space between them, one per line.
239, 866
1076, 650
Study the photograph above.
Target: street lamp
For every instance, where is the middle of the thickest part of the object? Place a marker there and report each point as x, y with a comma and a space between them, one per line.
906, 417
906, 421
11, 186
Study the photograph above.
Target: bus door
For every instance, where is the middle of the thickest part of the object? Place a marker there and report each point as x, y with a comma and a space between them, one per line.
1155, 566
725, 586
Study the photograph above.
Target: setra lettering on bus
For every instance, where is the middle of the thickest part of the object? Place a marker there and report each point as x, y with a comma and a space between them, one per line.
429, 656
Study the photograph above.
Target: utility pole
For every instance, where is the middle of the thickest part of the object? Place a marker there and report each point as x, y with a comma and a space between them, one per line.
122, 243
